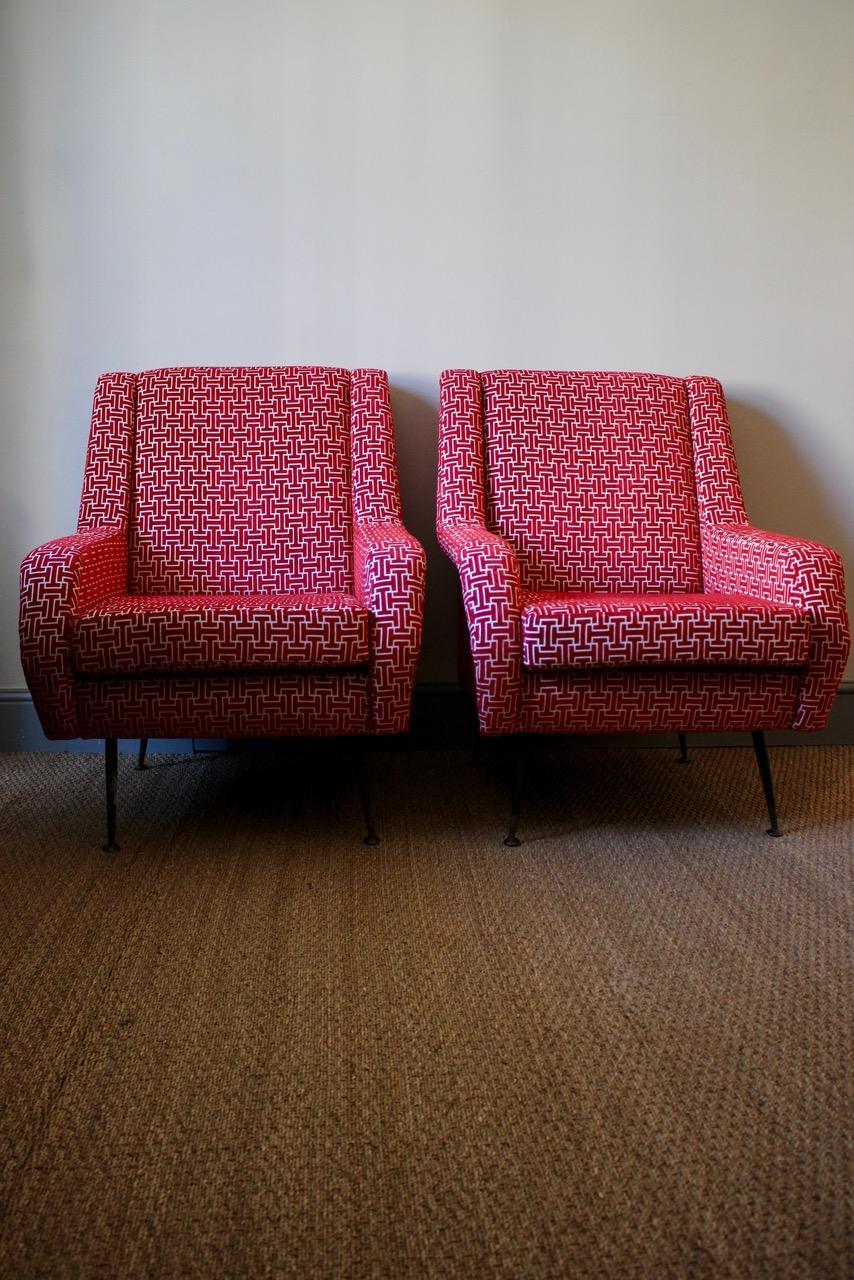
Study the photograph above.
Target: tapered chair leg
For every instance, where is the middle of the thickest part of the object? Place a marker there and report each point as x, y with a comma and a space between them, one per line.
365, 797
767, 781
143, 747
683, 748
111, 763
511, 840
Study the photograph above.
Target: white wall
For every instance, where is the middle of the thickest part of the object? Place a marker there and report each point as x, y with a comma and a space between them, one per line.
646, 184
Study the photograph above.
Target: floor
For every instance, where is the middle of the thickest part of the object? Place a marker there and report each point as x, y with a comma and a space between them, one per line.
249, 1045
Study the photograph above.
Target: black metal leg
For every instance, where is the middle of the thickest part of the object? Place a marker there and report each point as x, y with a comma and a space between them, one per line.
143, 747
111, 763
511, 840
683, 748
767, 781
364, 796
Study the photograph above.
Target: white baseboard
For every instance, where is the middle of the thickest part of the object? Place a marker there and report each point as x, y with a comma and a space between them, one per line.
442, 718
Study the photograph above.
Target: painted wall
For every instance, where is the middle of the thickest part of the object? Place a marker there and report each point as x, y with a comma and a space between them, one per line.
666, 185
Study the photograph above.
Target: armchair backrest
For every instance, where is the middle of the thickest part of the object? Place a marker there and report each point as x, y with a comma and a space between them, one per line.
590, 475
599, 480
240, 479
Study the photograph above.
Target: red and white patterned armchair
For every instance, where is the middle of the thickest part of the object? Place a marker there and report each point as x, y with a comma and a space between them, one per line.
610, 579
240, 568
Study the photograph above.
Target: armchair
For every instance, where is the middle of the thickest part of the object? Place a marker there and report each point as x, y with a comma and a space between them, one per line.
240, 567
610, 580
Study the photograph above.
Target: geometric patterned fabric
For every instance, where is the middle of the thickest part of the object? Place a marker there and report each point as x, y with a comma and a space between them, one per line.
239, 537
658, 700
133, 635
610, 580
241, 482
601, 630
281, 705
590, 477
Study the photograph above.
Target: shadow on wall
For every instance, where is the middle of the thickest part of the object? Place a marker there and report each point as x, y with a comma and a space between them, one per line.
415, 404
781, 491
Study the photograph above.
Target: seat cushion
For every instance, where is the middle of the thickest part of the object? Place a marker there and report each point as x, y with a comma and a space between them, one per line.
133, 635
705, 630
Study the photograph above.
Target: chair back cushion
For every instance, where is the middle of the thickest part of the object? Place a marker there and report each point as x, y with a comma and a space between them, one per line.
590, 476
241, 482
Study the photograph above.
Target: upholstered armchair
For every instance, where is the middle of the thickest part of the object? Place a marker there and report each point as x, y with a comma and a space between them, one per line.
610, 579
240, 568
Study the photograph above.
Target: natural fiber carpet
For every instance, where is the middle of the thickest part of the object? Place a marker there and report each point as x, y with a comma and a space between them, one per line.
248, 1045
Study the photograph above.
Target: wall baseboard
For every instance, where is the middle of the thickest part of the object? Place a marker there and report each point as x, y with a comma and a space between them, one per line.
442, 720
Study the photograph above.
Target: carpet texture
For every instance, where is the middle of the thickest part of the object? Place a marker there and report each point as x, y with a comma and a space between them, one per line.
248, 1045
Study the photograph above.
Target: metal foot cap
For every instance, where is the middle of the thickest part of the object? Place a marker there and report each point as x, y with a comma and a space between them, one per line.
774, 831
373, 838
111, 847
512, 842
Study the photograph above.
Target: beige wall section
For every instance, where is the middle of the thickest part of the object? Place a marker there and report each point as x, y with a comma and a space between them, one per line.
665, 186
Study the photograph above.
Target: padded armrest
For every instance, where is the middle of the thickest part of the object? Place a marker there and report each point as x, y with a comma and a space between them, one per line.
58, 581
739, 558
390, 571
459, 540
492, 599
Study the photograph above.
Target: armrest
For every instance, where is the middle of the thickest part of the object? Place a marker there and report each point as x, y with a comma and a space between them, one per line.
390, 571
488, 567
739, 558
462, 541
772, 566
58, 580
375, 542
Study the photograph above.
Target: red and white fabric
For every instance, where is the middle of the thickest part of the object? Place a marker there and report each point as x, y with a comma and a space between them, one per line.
686, 630
59, 581
242, 524
282, 705
136, 635
389, 565
590, 477
597, 524
650, 700
796, 572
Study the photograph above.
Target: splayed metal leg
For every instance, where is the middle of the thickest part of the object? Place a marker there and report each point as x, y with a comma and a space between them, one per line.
111, 766
683, 748
143, 747
511, 840
764, 764
365, 797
